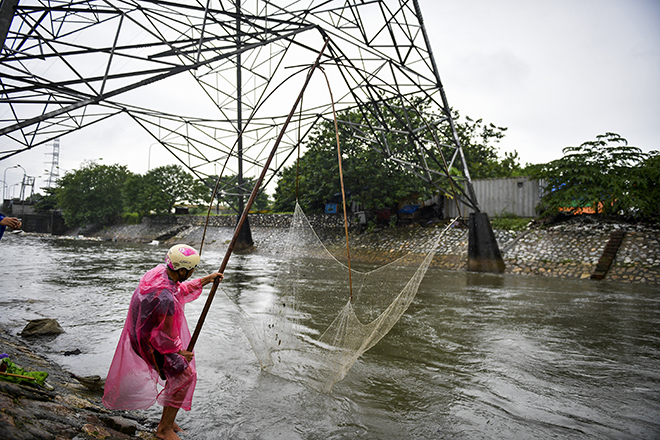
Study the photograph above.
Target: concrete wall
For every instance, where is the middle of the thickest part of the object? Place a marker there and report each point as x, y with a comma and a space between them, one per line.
19, 209
501, 197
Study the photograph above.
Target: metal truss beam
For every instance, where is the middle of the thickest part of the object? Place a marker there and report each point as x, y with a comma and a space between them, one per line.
65, 66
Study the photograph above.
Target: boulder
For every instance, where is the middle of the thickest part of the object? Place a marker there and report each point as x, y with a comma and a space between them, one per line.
41, 327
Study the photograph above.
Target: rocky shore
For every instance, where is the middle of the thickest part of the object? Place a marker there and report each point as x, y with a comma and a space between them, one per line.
61, 409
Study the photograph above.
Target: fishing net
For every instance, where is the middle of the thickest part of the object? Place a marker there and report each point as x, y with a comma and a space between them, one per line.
313, 331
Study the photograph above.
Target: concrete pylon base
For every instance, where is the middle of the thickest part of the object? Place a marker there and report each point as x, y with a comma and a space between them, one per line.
483, 252
244, 240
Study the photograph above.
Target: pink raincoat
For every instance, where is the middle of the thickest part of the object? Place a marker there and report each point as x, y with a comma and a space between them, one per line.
154, 332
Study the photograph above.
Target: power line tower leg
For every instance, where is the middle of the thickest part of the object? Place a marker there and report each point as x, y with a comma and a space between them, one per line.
483, 252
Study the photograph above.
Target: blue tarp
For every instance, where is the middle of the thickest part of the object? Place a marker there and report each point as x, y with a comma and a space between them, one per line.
408, 209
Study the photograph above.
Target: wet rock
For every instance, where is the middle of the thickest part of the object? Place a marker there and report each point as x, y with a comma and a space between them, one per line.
96, 431
29, 412
41, 327
18, 391
93, 383
121, 424
72, 352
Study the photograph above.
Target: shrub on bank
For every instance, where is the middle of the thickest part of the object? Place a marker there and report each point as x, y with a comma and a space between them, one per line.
131, 218
510, 223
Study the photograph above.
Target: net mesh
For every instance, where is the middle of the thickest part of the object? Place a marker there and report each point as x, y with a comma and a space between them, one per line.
312, 331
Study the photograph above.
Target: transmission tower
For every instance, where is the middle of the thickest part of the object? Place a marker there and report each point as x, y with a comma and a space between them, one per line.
54, 164
214, 79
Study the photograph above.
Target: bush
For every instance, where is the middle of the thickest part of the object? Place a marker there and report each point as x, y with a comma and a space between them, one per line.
131, 218
605, 176
510, 223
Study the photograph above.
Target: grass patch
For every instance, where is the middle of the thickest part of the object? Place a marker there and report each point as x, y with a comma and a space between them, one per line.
510, 223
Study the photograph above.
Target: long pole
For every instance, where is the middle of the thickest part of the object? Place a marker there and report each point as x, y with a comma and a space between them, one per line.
248, 205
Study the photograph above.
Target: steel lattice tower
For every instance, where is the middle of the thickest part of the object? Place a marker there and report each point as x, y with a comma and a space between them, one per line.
65, 66
54, 173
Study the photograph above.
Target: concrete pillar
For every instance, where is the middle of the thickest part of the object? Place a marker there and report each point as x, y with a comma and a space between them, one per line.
244, 240
483, 252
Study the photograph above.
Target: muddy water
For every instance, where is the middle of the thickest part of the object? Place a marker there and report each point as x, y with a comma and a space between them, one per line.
475, 356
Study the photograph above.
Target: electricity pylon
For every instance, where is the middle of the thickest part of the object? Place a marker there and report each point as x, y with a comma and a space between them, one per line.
213, 79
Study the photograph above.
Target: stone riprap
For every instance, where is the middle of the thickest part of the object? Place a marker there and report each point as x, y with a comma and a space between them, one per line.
573, 250
568, 250
63, 408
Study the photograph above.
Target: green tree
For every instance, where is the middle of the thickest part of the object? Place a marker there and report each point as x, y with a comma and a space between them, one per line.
607, 175
45, 202
478, 142
648, 193
228, 191
160, 189
91, 194
373, 178
378, 179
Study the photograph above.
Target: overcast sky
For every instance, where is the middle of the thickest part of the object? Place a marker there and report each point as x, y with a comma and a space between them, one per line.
556, 73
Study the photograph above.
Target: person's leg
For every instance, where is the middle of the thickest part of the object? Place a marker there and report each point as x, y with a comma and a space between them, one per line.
166, 426
179, 388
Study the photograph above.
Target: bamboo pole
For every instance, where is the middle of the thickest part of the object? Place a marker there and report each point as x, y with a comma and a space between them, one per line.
253, 196
17, 375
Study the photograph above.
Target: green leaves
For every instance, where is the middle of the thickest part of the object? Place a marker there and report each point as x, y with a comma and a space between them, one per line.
380, 179
160, 189
370, 177
98, 194
92, 194
478, 141
230, 194
606, 176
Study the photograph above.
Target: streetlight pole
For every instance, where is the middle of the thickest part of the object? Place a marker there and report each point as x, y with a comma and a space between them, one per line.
13, 189
4, 181
22, 181
149, 160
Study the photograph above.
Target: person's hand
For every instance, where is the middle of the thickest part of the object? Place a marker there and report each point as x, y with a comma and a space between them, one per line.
12, 222
186, 354
209, 278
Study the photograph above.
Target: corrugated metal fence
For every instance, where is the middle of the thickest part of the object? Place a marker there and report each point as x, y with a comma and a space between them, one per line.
501, 197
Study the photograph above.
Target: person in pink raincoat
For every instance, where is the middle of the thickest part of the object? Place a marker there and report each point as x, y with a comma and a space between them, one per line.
152, 347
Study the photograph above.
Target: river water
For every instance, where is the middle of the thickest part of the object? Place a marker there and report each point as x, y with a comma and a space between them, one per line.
476, 356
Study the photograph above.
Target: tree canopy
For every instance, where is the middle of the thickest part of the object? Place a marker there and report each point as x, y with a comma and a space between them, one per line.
606, 175
478, 142
98, 194
379, 179
161, 188
373, 178
230, 197
91, 194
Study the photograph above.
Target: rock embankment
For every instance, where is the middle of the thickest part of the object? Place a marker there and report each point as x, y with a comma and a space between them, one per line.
63, 409
567, 250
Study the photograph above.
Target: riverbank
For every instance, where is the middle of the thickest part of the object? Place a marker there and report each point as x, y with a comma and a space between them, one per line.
566, 250
63, 408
